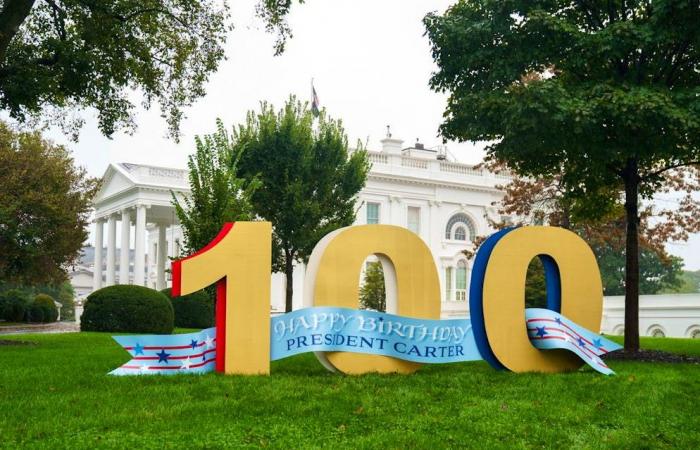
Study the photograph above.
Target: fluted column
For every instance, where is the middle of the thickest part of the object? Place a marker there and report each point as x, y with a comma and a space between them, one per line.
161, 257
124, 255
140, 245
111, 250
97, 273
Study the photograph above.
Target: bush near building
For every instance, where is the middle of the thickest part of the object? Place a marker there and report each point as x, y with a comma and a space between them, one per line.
195, 310
47, 305
128, 309
13, 305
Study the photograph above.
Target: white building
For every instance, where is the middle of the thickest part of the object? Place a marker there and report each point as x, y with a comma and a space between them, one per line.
445, 202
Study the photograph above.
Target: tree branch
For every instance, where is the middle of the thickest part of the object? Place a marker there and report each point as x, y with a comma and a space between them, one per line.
12, 16
667, 168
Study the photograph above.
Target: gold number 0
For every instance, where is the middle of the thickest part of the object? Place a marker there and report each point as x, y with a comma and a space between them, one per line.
238, 260
332, 278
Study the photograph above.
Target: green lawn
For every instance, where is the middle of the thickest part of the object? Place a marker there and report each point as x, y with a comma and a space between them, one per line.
56, 394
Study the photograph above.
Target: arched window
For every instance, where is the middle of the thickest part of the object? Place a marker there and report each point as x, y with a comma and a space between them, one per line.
657, 333
695, 334
461, 281
460, 228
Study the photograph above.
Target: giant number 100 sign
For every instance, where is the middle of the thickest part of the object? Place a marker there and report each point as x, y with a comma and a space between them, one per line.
238, 262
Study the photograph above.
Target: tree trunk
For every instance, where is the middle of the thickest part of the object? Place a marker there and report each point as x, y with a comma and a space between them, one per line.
13, 14
289, 276
631, 179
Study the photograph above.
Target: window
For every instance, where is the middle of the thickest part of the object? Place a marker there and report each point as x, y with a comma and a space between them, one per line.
372, 213
657, 333
448, 284
695, 334
413, 219
462, 224
461, 282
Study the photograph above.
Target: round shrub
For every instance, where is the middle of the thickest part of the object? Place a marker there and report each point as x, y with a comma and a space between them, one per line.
195, 310
48, 306
35, 313
127, 309
14, 305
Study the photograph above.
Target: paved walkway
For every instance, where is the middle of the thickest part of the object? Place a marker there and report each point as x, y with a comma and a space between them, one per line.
57, 327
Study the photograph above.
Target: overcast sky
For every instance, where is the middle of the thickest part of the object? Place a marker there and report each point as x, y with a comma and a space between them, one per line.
370, 62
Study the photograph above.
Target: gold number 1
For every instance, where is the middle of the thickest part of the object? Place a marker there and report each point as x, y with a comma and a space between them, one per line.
238, 260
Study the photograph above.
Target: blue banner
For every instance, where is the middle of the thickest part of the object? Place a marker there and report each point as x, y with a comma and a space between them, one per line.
168, 354
329, 329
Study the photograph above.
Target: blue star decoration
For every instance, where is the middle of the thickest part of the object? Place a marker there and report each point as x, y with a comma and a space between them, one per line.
558, 320
138, 349
581, 342
541, 331
193, 344
598, 343
162, 356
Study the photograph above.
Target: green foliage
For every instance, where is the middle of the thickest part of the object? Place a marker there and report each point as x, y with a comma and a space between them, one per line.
74, 54
373, 290
195, 310
656, 272
309, 179
47, 306
13, 305
57, 389
217, 196
62, 292
35, 313
604, 93
274, 13
44, 208
689, 284
128, 309
535, 285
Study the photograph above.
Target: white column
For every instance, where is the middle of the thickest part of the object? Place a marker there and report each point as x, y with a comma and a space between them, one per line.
124, 255
97, 273
140, 245
111, 250
161, 257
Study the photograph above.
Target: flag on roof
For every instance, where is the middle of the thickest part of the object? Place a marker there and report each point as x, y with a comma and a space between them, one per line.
315, 105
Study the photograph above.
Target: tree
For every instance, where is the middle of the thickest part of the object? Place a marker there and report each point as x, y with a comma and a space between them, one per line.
59, 54
274, 13
546, 200
216, 195
309, 179
613, 100
657, 269
44, 209
373, 290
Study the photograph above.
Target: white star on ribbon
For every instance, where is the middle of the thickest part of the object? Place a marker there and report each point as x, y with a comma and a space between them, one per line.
210, 342
144, 369
186, 364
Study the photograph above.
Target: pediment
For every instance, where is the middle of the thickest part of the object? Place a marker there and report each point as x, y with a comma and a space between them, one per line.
113, 182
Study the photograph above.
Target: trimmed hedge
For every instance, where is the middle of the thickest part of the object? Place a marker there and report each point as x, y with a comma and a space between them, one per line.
13, 305
127, 309
195, 310
48, 307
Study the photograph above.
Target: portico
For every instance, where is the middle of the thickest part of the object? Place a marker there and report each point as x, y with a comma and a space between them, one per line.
136, 199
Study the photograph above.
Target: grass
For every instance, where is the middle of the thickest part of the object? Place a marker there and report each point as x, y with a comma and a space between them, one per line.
56, 394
